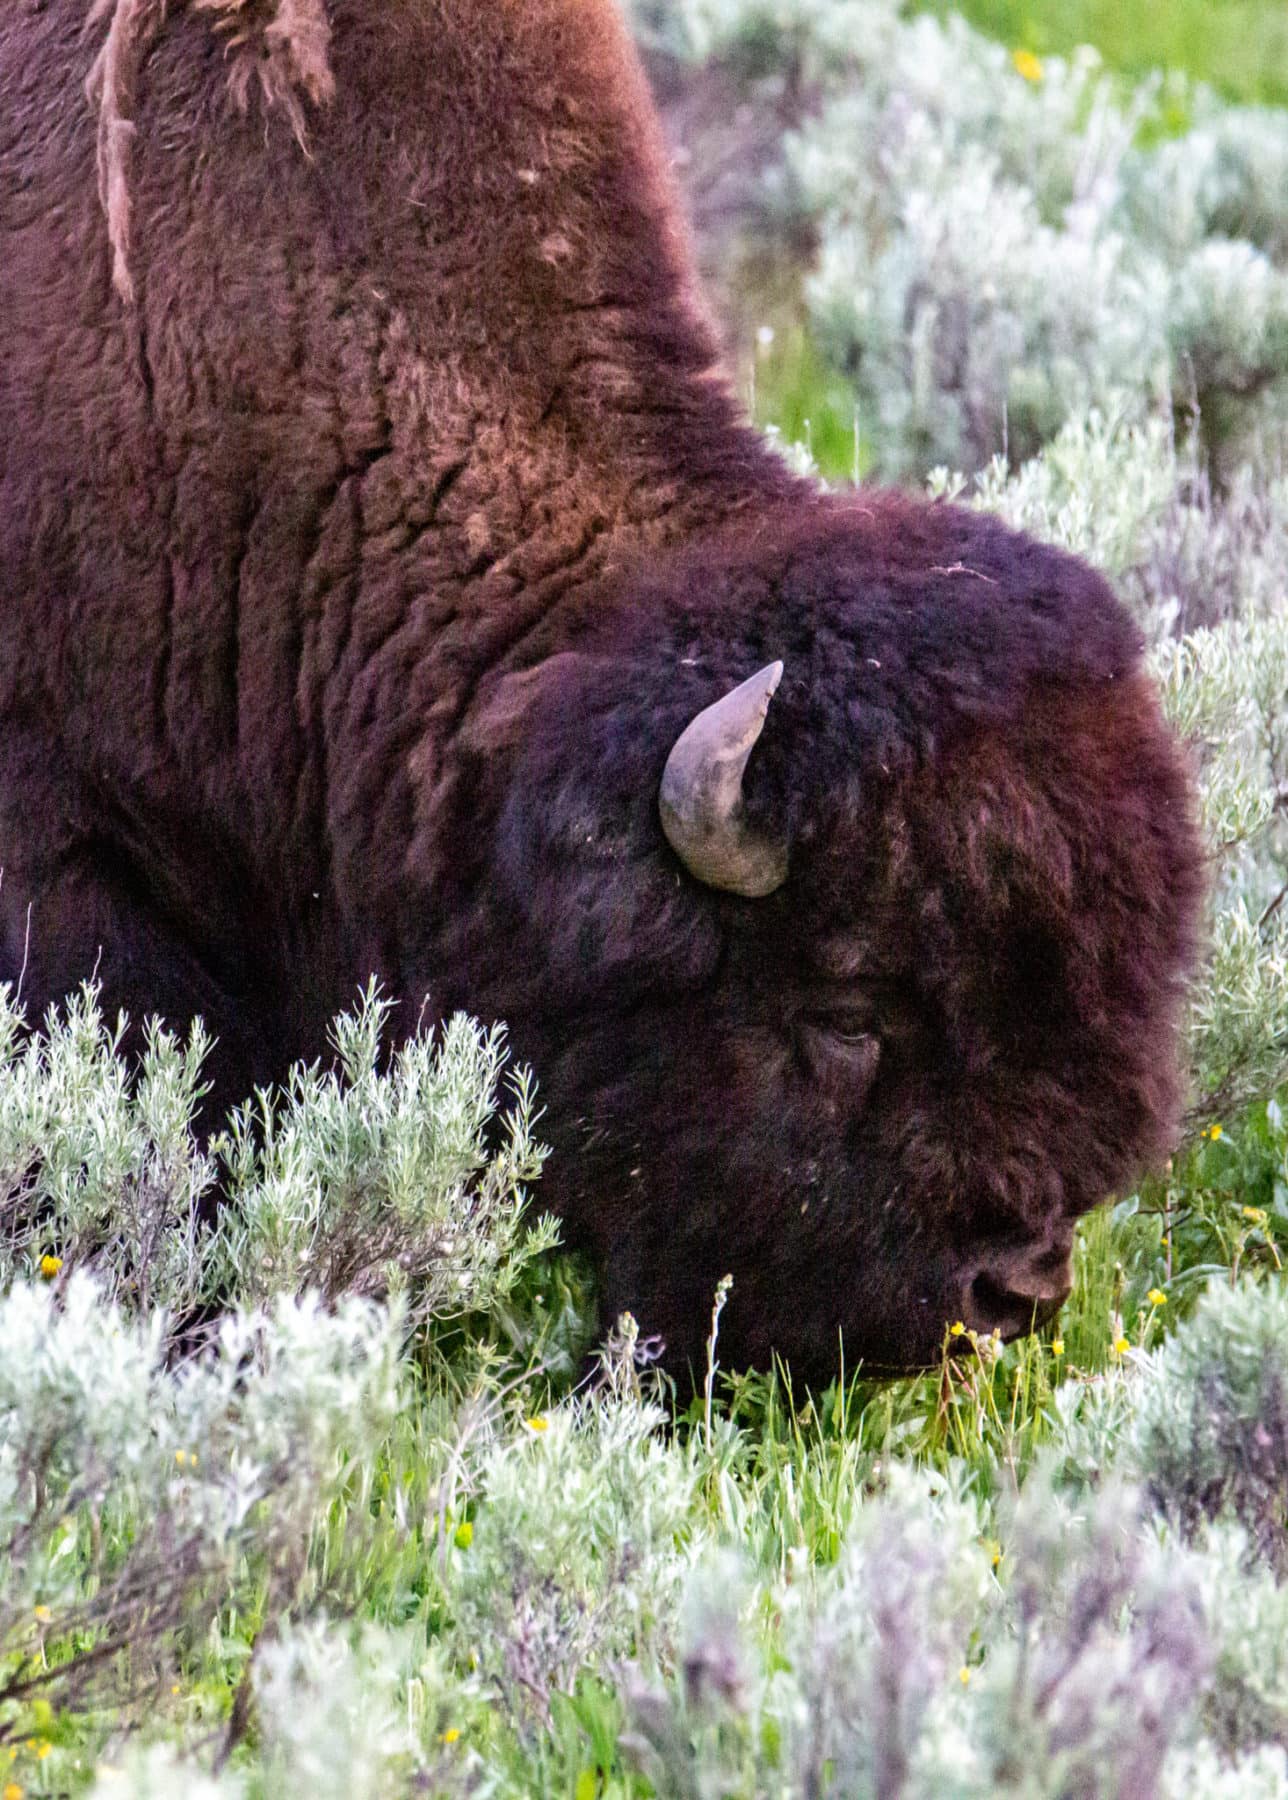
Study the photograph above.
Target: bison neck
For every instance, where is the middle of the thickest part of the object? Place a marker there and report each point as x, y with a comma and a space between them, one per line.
374, 413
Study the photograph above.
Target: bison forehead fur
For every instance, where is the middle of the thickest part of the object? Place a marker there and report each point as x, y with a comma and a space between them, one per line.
373, 523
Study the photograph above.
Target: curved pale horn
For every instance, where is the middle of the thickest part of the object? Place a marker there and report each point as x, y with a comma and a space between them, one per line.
700, 800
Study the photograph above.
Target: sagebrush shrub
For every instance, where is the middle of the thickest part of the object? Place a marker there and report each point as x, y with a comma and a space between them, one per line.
134, 1494
1001, 244
577, 1550
401, 1179
1210, 1438
390, 1174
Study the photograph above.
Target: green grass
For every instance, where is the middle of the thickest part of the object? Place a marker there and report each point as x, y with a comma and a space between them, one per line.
793, 390
1239, 46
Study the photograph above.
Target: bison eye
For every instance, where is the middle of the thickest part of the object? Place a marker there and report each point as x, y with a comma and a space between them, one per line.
838, 1055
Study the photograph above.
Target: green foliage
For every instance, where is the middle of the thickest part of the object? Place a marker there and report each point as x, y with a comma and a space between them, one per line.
1004, 241
139, 1500
575, 1555
1210, 1437
363, 1180
96, 1171
366, 1179
316, 1554
1240, 46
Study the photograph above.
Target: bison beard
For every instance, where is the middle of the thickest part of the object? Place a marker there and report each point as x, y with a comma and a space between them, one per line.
373, 524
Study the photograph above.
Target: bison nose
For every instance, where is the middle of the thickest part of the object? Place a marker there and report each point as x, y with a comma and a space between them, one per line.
1016, 1292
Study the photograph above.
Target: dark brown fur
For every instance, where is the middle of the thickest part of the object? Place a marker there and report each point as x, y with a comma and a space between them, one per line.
357, 578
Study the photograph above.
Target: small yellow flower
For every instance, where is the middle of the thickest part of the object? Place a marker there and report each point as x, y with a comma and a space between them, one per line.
181, 1457
956, 1330
1057, 1346
1121, 1346
49, 1267
42, 1613
1212, 1133
12, 1791
1028, 65
963, 1675
175, 1688
449, 1736
463, 1536
1256, 1214
42, 1749
537, 1424
1156, 1297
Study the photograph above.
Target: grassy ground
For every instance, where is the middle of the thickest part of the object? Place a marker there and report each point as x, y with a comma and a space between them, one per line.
1240, 46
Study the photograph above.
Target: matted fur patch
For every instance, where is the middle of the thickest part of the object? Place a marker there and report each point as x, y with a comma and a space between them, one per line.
278, 46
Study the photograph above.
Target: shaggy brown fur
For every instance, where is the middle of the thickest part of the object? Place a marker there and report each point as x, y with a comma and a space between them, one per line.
358, 577
283, 50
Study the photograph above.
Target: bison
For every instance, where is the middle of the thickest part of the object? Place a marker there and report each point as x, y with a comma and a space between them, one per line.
389, 583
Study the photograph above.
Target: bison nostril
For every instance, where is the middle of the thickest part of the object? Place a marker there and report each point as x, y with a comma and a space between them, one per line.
991, 1306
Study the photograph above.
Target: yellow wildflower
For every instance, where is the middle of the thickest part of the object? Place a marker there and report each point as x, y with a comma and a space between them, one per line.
1121, 1346
42, 1613
963, 1675
42, 1749
956, 1330
449, 1736
1156, 1297
1028, 65
537, 1424
1057, 1346
463, 1536
1257, 1214
49, 1267
12, 1791
1212, 1133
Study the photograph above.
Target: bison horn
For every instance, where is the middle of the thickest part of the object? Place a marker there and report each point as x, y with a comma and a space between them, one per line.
701, 795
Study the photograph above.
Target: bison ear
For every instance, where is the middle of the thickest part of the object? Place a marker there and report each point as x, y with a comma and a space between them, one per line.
701, 803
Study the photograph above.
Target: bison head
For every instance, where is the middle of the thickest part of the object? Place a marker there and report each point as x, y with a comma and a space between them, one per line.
861, 987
